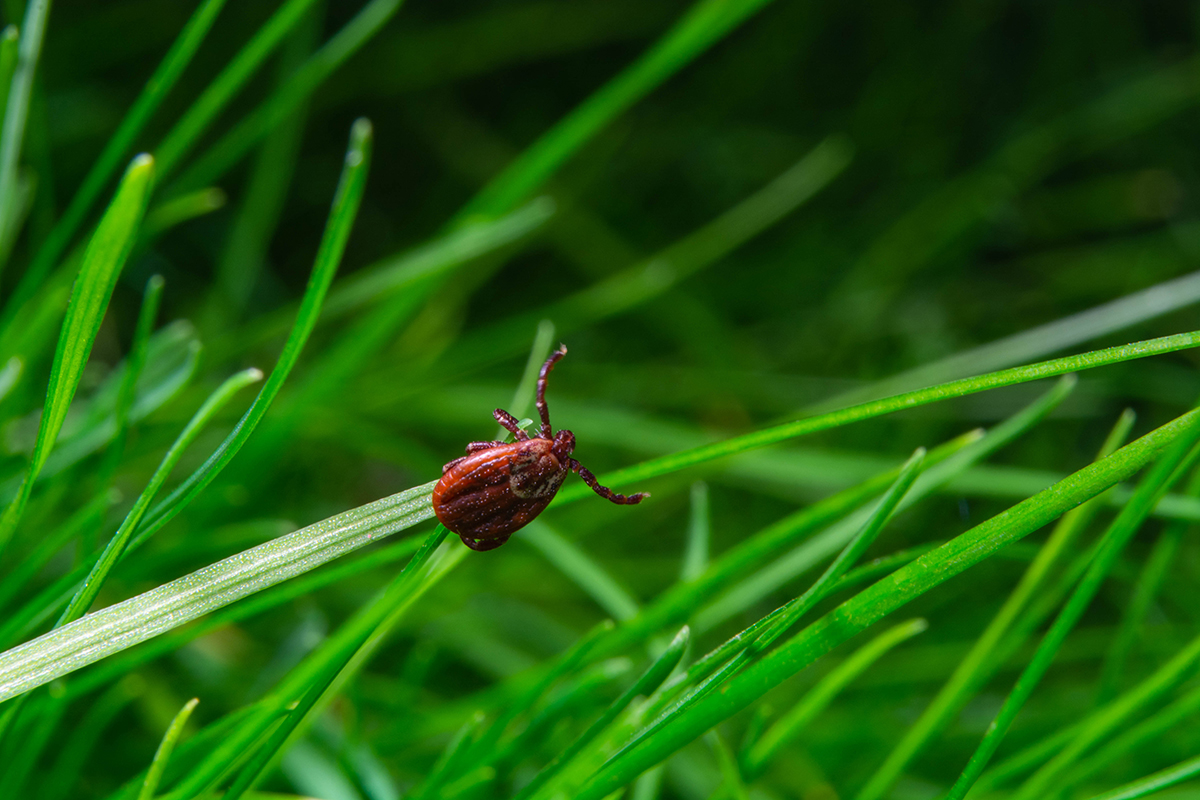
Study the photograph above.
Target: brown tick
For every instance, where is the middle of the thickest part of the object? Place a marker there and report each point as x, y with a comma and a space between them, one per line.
498, 487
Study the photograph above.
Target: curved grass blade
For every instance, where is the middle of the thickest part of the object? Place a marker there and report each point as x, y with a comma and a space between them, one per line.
161, 756
86, 595
234, 145
650, 680
1176, 460
329, 255
820, 696
960, 388
704, 24
974, 668
882, 598
16, 112
102, 263
160, 84
120, 626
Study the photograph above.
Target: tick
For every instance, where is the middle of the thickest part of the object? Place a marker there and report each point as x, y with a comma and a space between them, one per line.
499, 487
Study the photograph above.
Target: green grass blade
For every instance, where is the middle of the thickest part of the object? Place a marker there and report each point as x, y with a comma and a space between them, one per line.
117, 149
704, 24
695, 556
233, 146
1042, 340
178, 210
86, 595
886, 596
102, 263
978, 664
1153, 574
1106, 720
1149, 490
16, 112
786, 567
10, 39
118, 627
404, 585
524, 395
653, 277
849, 556
1152, 784
582, 569
820, 696
136, 360
329, 255
163, 754
802, 427
1148, 731
85, 735
201, 113
650, 680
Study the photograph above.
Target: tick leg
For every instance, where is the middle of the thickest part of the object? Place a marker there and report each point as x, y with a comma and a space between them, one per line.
543, 377
483, 545
475, 447
509, 423
604, 491
450, 465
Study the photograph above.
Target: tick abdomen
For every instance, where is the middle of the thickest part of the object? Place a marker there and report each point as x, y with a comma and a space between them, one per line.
496, 491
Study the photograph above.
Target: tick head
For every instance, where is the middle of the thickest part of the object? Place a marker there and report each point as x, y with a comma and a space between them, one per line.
564, 445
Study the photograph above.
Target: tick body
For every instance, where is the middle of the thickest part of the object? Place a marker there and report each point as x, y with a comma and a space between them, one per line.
497, 488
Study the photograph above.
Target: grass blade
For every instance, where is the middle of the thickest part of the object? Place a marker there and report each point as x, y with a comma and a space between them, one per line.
329, 255
86, 595
16, 112
960, 388
161, 756
115, 151
704, 24
820, 696
118, 627
102, 263
973, 670
1151, 488
1152, 784
872, 604
582, 569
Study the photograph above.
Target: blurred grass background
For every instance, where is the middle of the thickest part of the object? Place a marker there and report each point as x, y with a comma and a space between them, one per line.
993, 167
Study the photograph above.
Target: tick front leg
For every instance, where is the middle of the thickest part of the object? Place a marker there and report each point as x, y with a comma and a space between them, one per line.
483, 545
449, 466
510, 424
604, 491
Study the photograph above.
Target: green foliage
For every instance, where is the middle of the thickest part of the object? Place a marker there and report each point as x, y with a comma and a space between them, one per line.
811, 266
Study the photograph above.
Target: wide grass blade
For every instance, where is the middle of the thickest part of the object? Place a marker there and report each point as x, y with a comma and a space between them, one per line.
102, 263
874, 603
118, 627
